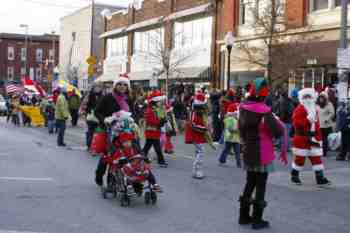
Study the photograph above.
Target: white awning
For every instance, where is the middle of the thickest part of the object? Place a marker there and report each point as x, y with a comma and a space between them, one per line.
192, 11
140, 75
113, 32
145, 23
105, 78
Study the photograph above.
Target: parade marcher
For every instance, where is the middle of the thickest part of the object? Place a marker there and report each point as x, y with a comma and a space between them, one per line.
91, 121
215, 112
108, 105
50, 115
155, 119
199, 132
231, 135
43, 104
61, 115
327, 114
170, 129
284, 110
74, 104
257, 127
15, 107
343, 126
307, 141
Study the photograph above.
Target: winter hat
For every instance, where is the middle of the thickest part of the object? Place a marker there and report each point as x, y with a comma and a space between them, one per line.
156, 96
232, 108
231, 92
307, 91
123, 78
200, 99
259, 88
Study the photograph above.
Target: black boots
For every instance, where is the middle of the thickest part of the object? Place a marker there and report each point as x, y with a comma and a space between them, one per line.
295, 177
258, 210
320, 179
244, 211
100, 171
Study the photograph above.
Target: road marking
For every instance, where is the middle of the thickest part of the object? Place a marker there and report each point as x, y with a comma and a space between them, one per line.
25, 179
9, 231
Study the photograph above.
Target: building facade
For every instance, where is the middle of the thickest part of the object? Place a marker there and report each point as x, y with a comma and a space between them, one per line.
317, 21
154, 40
78, 42
37, 63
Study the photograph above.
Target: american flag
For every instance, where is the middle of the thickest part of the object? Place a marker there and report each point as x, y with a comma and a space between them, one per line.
13, 88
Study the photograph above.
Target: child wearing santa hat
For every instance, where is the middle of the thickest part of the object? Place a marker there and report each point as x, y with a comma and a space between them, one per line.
199, 123
155, 118
231, 135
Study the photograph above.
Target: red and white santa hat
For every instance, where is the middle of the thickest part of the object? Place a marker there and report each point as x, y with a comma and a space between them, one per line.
156, 96
200, 99
123, 78
232, 109
307, 92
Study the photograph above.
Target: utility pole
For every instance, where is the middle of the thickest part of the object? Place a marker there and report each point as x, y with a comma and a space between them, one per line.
342, 74
26, 46
92, 27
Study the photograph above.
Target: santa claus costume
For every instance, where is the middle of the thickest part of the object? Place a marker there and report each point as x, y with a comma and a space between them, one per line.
155, 118
307, 142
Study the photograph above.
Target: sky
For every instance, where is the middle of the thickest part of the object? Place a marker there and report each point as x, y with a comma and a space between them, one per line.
41, 16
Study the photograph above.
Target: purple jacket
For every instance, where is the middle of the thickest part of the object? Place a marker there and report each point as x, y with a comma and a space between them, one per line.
258, 127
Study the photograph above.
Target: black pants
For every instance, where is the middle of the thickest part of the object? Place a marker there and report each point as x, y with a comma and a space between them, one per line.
156, 145
255, 181
75, 115
61, 125
325, 133
90, 132
345, 143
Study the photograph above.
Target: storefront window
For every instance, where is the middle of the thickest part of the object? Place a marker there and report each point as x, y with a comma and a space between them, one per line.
193, 33
320, 4
117, 46
149, 41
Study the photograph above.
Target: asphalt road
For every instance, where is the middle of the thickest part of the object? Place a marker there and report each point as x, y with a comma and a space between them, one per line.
49, 189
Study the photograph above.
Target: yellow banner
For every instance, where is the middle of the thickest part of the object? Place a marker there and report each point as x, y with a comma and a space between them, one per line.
34, 114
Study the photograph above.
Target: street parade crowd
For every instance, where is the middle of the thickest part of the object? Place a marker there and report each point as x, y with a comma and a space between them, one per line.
258, 125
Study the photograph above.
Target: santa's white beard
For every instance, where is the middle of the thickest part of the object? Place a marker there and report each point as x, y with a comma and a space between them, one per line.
310, 107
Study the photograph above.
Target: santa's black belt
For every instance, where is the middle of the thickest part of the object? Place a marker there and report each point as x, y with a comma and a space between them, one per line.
305, 134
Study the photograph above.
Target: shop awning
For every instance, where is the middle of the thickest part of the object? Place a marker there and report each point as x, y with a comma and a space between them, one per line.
202, 72
105, 78
145, 23
114, 32
193, 11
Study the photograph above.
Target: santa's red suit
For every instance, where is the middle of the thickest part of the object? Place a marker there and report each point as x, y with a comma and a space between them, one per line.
307, 142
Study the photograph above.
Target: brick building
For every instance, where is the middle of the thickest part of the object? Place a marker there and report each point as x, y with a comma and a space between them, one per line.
310, 18
183, 30
42, 53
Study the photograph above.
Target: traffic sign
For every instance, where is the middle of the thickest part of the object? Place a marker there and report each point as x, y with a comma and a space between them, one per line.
343, 58
91, 60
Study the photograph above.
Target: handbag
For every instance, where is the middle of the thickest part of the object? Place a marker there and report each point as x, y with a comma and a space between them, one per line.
91, 117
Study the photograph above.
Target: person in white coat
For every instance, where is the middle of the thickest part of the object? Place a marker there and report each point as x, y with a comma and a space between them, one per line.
326, 114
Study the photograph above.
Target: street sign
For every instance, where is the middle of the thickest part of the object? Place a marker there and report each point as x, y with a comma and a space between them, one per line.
91, 60
343, 58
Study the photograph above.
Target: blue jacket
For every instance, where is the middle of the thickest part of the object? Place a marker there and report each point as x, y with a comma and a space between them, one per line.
343, 116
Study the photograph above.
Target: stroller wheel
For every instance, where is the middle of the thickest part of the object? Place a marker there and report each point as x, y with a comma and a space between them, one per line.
153, 198
147, 198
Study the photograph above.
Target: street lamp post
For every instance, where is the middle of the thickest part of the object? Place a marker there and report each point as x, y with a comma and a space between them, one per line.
342, 74
229, 40
26, 46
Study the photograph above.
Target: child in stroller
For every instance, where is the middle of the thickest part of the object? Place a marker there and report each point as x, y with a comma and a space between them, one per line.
128, 170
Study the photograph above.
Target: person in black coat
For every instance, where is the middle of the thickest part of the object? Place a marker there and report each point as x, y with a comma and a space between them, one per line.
111, 103
217, 126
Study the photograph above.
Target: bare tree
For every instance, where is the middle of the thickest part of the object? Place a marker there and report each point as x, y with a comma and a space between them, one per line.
166, 61
273, 47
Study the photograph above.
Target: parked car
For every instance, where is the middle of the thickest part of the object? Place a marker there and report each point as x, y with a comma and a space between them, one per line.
3, 107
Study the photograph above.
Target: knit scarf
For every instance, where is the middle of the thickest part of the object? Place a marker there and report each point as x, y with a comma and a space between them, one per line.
122, 101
